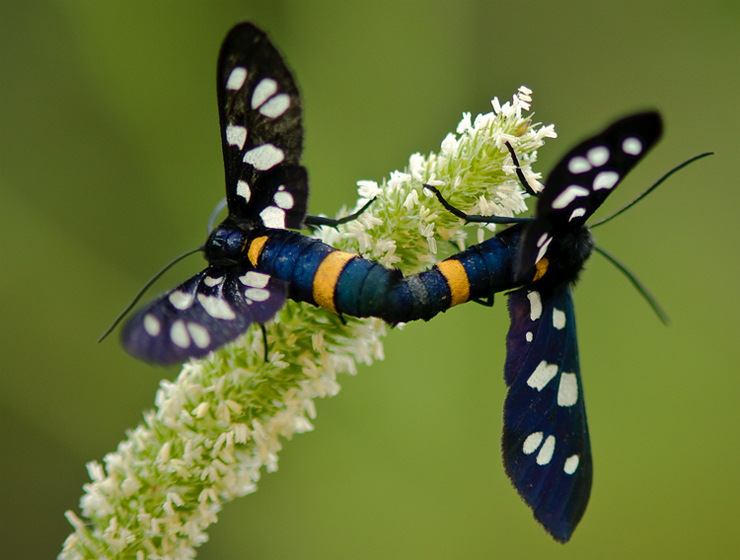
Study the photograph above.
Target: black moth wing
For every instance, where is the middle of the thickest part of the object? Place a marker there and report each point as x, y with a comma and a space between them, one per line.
210, 309
545, 443
261, 132
583, 179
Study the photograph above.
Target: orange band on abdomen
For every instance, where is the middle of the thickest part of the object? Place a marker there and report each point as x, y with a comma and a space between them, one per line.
327, 276
255, 248
457, 280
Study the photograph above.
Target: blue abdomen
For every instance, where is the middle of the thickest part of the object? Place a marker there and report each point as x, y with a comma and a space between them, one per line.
319, 274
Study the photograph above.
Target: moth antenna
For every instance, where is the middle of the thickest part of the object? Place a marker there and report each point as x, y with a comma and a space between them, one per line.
220, 206
143, 290
651, 189
644, 292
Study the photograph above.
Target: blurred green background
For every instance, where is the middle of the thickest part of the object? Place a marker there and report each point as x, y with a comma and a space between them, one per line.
111, 164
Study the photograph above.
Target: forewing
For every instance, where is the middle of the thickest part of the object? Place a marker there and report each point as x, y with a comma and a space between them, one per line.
545, 441
261, 133
583, 179
210, 309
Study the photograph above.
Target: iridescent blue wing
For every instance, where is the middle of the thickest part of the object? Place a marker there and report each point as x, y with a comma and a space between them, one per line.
261, 133
212, 308
545, 441
583, 179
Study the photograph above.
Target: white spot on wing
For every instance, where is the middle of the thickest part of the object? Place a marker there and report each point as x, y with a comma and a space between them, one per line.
199, 335
532, 443
632, 146
263, 91
606, 180
216, 307
276, 106
571, 464
568, 195
264, 157
256, 294
529, 336
181, 300
577, 213
542, 375
598, 156
236, 135
535, 305
543, 250
237, 78
284, 200
211, 282
273, 217
568, 390
558, 319
179, 335
243, 190
545, 454
152, 325
578, 165
255, 279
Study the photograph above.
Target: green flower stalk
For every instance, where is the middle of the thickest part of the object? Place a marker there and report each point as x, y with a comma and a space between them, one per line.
225, 416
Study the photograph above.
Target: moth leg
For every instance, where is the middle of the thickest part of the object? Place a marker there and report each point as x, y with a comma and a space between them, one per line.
264, 338
519, 173
485, 302
473, 218
316, 221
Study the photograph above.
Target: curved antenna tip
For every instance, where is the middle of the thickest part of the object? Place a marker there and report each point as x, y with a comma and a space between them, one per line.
652, 188
143, 290
639, 286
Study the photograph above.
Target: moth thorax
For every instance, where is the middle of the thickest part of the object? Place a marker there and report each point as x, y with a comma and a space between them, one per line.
568, 256
226, 244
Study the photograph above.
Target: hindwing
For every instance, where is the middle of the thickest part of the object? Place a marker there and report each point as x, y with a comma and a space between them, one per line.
210, 309
545, 441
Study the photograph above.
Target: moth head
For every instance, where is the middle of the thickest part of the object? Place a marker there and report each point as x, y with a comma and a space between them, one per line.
226, 244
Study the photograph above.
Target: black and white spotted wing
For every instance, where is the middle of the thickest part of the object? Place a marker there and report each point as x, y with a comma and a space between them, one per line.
545, 442
583, 179
210, 309
261, 131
